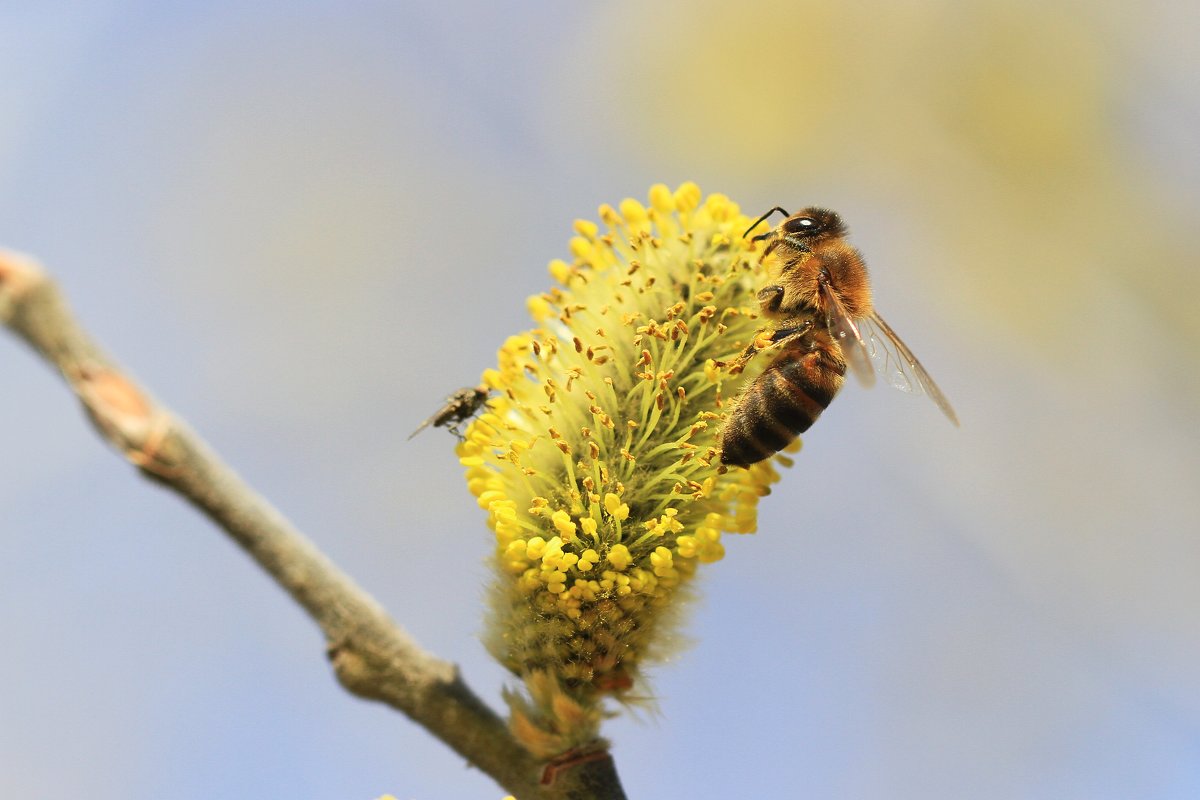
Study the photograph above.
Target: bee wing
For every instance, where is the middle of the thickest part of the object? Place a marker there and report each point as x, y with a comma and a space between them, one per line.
843, 329
898, 364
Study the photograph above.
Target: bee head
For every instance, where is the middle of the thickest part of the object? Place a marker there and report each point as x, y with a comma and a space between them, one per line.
801, 230
811, 224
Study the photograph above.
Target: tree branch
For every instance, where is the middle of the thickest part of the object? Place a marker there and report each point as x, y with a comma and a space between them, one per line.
371, 655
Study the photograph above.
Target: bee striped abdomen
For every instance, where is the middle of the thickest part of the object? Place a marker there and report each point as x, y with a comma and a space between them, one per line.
784, 401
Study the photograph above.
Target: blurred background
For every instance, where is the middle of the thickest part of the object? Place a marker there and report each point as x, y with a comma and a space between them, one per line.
303, 223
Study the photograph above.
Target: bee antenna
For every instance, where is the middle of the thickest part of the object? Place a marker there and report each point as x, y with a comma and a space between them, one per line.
763, 219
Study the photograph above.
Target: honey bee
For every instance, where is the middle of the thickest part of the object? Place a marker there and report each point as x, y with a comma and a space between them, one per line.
823, 324
460, 407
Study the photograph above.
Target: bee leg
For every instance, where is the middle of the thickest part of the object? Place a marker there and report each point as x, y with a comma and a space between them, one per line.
784, 336
770, 298
742, 360
778, 338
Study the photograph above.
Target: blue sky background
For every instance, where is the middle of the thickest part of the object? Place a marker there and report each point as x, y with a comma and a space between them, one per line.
302, 223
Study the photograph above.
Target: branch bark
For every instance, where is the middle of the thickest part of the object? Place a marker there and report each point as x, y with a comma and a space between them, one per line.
371, 655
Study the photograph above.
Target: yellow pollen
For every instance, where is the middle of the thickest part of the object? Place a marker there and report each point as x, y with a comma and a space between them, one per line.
624, 372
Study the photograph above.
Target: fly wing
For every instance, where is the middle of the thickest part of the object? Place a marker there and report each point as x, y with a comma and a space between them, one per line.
431, 421
458, 407
845, 332
898, 364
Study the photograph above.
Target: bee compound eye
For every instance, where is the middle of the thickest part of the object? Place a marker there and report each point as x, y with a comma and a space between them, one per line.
800, 225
